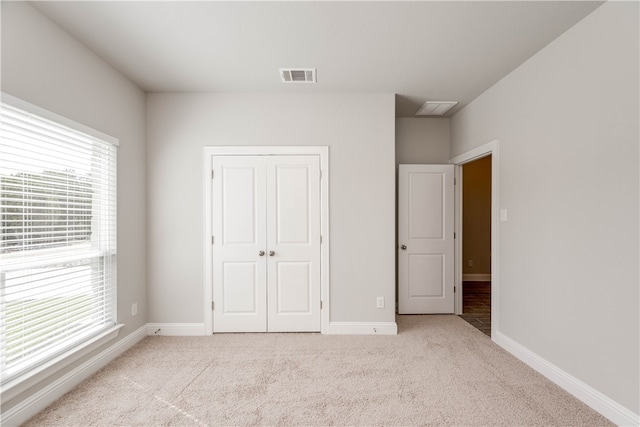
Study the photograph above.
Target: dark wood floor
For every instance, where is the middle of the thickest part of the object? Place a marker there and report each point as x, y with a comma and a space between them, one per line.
476, 305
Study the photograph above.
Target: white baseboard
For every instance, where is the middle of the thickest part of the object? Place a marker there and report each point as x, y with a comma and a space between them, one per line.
610, 409
363, 328
483, 277
335, 328
47, 395
176, 329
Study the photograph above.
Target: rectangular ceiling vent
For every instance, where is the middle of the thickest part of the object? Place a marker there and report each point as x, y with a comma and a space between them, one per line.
298, 75
435, 108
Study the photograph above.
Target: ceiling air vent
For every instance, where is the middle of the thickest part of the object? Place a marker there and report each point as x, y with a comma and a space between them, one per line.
298, 75
435, 108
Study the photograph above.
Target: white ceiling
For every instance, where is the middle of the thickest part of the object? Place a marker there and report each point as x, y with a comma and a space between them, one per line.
437, 50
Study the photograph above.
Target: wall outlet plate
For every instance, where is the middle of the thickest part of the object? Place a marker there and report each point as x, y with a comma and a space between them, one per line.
380, 302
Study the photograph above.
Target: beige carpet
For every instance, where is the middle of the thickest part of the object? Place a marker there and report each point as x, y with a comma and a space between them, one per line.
439, 370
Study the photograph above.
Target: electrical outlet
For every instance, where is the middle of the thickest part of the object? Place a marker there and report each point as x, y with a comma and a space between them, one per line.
380, 302
134, 308
470, 263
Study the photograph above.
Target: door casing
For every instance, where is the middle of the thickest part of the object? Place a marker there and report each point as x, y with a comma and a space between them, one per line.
490, 148
323, 153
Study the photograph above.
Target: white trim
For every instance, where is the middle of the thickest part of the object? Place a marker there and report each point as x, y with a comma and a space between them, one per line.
58, 119
490, 148
34, 376
176, 329
480, 277
457, 248
363, 328
610, 409
323, 153
264, 150
476, 153
45, 396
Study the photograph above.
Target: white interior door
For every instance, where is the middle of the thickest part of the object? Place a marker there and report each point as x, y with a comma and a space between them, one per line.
240, 244
425, 239
293, 241
266, 252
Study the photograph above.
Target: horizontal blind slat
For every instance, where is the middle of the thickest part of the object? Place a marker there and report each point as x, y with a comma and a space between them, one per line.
39, 332
18, 319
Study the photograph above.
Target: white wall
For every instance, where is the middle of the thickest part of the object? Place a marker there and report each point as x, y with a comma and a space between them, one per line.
567, 124
45, 66
424, 140
359, 130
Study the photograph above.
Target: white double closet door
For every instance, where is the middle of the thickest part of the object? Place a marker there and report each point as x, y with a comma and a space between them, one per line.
266, 250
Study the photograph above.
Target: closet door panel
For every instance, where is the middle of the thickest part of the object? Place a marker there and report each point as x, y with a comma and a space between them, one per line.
293, 239
239, 225
293, 288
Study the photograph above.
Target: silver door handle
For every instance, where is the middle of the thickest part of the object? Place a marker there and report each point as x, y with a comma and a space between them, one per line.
403, 247
261, 253
271, 253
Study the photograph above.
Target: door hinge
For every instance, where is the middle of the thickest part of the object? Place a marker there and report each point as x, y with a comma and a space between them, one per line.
212, 239
454, 181
212, 305
320, 239
454, 289
454, 234
320, 305
211, 173
320, 173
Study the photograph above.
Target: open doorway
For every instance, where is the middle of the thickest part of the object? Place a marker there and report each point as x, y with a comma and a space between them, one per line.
476, 243
490, 150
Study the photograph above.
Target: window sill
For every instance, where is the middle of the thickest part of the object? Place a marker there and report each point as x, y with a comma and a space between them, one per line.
24, 382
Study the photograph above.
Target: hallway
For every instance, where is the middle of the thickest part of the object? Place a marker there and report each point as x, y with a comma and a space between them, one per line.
476, 303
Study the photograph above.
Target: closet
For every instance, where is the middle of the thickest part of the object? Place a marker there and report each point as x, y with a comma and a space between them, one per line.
266, 243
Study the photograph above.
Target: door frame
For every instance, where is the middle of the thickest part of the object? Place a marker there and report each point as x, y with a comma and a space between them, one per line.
490, 148
207, 168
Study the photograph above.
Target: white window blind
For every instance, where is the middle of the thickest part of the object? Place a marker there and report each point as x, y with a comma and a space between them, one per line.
58, 242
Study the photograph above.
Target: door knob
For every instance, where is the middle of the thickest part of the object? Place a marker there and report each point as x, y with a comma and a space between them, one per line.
271, 253
261, 253
403, 247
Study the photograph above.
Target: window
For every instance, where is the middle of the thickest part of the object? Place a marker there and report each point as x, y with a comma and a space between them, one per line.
58, 241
